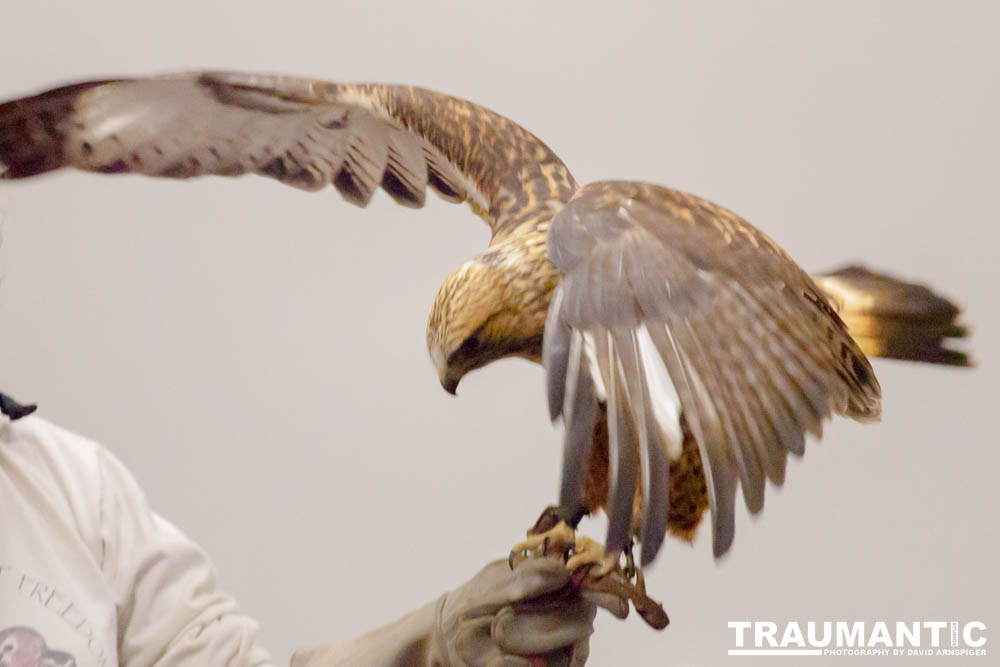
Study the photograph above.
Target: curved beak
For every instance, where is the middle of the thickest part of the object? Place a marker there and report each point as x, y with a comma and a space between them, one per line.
449, 383
449, 380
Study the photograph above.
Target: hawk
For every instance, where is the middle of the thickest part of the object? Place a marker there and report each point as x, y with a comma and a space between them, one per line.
685, 351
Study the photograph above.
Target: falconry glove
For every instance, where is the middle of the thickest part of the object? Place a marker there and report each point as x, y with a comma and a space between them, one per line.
529, 616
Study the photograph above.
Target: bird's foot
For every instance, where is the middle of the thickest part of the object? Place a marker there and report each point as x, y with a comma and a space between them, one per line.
593, 569
578, 552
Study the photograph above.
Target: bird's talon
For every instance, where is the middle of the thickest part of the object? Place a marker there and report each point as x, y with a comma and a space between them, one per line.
629, 571
592, 568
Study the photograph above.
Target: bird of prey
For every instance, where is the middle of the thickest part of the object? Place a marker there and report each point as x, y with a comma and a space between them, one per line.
685, 351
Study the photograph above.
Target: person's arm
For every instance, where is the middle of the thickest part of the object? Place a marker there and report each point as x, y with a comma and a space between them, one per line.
529, 616
170, 609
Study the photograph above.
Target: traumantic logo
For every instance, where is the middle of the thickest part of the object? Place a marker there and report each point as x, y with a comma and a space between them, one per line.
858, 638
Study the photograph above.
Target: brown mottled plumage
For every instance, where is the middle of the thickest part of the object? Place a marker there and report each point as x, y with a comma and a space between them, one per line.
686, 352
688, 490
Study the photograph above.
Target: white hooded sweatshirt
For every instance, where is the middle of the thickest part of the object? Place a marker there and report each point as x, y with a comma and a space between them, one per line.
91, 577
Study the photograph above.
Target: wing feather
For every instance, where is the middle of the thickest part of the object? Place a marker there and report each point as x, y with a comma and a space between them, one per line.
581, 416
696, 315
622, 447
654, 464
302, 132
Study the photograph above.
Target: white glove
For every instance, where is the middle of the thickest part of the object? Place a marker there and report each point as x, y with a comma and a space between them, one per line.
532, 616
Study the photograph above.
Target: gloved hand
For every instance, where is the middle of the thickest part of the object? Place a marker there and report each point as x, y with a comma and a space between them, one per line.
532, 616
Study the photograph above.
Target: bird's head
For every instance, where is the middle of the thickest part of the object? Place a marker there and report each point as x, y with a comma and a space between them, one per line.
478, 317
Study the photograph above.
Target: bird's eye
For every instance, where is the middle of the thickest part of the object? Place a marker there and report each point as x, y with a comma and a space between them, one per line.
469, 346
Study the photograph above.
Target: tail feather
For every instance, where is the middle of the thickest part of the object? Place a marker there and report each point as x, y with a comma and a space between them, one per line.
894, 319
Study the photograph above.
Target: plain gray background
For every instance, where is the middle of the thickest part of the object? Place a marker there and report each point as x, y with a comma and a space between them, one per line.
256, 354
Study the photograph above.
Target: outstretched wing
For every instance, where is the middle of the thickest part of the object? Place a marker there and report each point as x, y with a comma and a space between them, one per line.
674, 307
301, 132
